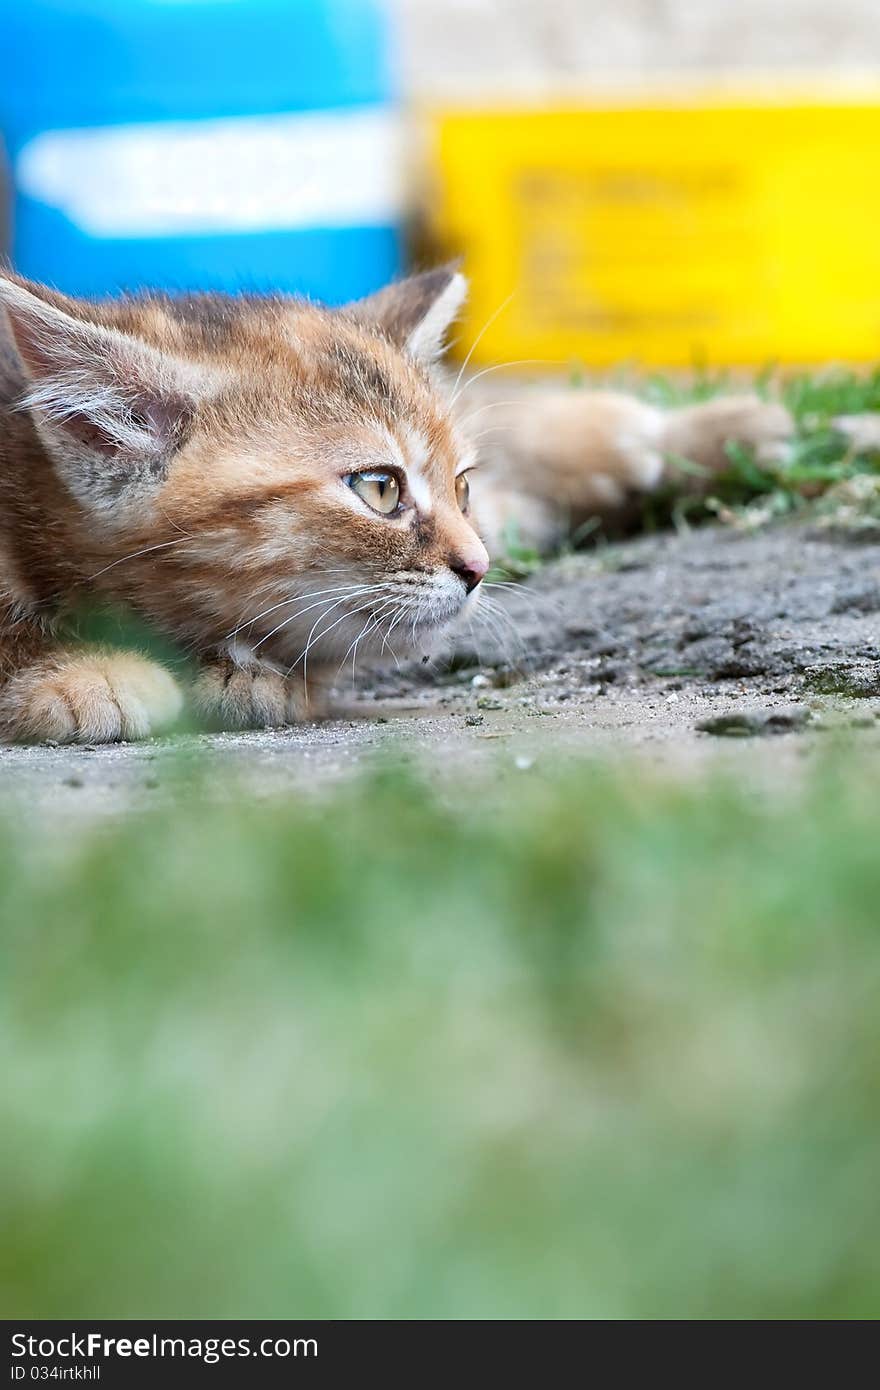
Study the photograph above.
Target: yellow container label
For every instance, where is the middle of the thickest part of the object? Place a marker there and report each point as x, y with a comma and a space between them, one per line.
664, 234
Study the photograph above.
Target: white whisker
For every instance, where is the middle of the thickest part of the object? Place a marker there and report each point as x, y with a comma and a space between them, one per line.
300, 613
371, 623
481, 410
522, 591
295, 598
314, 636
147, 550
404, 609
386, 642
475, 344
490, 429
309, 643
500, 614
507, 366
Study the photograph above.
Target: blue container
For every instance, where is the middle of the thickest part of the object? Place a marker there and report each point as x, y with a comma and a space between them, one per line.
201, 144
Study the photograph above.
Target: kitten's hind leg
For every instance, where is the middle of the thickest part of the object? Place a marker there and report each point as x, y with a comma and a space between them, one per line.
88, 696
567, 457
703, 432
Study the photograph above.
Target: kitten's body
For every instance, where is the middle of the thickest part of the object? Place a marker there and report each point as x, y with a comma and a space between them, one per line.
204, 460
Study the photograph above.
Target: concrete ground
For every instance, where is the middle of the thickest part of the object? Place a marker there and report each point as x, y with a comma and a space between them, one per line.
748, 650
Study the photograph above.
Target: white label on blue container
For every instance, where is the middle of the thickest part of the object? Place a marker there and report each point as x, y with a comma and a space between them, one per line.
243, 174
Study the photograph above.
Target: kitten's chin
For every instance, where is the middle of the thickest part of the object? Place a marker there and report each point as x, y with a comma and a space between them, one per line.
430, 636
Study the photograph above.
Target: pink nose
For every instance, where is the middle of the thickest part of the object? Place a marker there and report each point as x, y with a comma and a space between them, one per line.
471, 568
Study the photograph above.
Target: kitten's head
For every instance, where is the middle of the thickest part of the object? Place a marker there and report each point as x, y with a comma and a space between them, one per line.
291, 473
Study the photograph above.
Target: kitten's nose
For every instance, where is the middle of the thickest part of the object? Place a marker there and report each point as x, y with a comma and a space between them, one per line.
471, 568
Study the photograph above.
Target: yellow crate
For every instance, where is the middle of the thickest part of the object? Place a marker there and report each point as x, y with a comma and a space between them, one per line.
730, 231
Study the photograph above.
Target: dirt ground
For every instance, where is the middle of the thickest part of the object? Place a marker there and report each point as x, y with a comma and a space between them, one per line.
747, 649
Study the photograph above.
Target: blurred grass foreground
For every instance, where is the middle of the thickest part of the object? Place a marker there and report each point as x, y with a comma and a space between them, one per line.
594, 1047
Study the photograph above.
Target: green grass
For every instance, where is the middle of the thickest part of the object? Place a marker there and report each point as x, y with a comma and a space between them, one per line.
579, 1044
822, 472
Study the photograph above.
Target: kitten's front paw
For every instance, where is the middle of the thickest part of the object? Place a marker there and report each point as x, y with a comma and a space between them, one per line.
88, 698
250, 695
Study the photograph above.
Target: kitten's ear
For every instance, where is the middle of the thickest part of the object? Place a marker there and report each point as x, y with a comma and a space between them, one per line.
110, 409
416, 313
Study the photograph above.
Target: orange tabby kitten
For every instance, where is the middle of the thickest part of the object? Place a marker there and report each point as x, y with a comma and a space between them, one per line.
272, 484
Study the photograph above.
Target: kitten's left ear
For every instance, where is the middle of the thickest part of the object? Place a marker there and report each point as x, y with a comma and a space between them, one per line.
110, 409
416, 313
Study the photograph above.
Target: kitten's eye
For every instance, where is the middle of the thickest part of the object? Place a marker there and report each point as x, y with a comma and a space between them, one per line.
380, 490
462, 492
